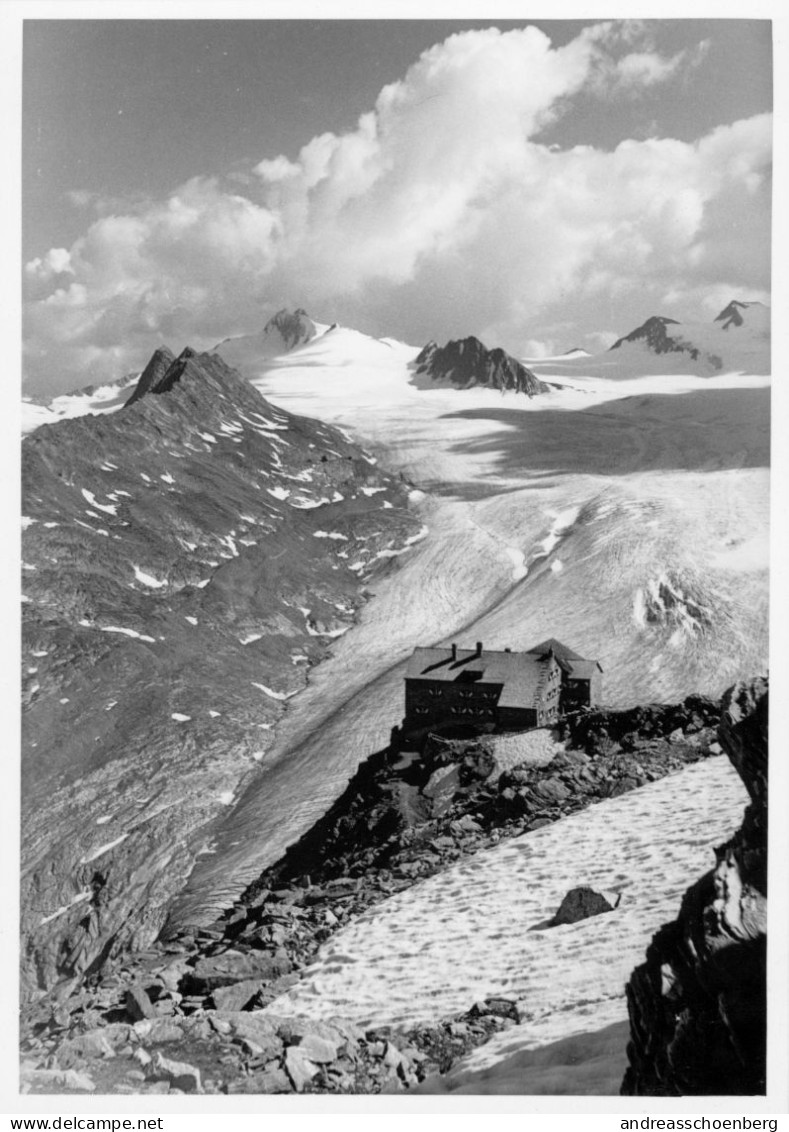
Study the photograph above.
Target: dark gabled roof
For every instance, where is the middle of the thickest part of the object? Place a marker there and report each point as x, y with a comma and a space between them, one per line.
584, 669
518, 674
560, 651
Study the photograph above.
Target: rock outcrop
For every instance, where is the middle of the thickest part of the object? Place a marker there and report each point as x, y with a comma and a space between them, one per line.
736, 313
466, 362
698, 1004
583, 902
160, 362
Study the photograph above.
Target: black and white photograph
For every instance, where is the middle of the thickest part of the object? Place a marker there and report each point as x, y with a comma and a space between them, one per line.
395, 561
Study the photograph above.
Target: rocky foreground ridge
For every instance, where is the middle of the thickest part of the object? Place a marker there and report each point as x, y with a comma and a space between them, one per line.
467, 363
184, 1014
698, 1004
186, 560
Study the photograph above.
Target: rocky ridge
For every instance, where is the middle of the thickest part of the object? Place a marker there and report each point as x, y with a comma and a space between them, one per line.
657, 337
467, 363
736, 312
698, 1004
738, 338
186, 560
404, 816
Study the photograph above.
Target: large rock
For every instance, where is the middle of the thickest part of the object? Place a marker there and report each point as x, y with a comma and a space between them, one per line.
299, 1068
698, 1004
233, 967
237, 995
180, 1074
583, 902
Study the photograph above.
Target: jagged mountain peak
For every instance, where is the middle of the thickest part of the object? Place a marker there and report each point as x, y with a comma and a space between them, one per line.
707, 347
732, 315
656, 336
285, 331
161, 375
467, 362
159, 363
653, 332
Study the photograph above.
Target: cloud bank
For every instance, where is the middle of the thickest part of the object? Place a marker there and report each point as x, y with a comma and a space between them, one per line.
442, 212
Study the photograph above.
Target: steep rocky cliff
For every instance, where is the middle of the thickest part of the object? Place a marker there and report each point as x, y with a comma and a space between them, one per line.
698, 1004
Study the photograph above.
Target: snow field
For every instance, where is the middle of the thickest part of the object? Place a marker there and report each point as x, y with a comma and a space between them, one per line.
480, 927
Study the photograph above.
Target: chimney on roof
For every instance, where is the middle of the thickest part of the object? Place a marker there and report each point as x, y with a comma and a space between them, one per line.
479, 649
454, 652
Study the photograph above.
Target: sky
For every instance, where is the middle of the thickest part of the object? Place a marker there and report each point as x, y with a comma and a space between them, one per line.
541, 185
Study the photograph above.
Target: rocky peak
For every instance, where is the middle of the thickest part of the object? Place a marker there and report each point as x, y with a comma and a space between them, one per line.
295, 328
654, 333
466, 362
732, 315
160, 361
199, 370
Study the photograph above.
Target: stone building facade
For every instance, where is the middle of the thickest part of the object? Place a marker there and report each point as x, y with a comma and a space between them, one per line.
512, 691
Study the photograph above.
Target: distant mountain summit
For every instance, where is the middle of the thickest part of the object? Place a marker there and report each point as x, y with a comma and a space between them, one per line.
293, 328
467, 363
737, 339
738, 313
655, 334
285, 331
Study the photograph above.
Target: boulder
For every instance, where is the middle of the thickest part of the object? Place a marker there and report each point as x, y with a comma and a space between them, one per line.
318, 1049
85, 1047
54, 1081
236, 996
159, 1030
254, 1027
583, 902
443, 782
180, 1074
271, 1080
138, 1004
299, 1068
551, 790
233, 967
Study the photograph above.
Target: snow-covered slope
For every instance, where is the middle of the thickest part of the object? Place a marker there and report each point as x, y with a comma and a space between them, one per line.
627, 518
92, 399
481, 928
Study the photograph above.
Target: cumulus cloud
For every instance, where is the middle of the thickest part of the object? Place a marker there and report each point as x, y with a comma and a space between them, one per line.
440, 213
